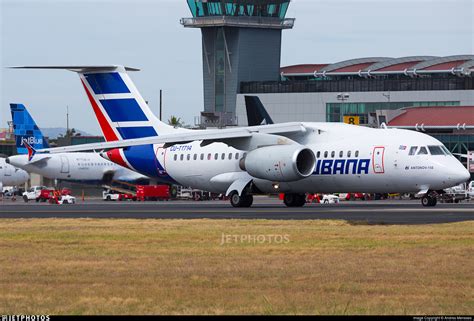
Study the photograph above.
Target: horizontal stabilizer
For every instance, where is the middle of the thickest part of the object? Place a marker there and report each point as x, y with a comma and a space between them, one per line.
78, 68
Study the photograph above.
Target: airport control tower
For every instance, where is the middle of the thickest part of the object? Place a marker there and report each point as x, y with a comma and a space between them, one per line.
241, 41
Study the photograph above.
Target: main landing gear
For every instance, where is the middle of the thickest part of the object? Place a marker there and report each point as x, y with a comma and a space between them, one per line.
429, 200
294, 200
244, 200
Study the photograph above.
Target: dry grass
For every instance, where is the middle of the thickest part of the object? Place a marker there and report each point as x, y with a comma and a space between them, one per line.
53, 266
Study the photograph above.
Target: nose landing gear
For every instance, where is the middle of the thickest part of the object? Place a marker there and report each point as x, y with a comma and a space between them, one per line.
244, 200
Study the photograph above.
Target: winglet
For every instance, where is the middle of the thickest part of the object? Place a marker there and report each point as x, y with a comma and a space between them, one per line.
31, 150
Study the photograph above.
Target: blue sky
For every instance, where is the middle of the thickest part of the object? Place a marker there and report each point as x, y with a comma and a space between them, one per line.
146, 34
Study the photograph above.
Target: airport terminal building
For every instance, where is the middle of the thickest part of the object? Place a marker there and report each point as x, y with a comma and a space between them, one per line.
375, 90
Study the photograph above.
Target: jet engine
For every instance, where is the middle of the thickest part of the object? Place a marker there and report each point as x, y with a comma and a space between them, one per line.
279, 163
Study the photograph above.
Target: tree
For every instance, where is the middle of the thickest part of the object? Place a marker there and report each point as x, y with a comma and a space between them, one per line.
70, 133
175, 121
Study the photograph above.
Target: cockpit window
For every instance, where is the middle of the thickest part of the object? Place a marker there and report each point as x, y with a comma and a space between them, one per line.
436, 150
423, 151
413, 150
445, 150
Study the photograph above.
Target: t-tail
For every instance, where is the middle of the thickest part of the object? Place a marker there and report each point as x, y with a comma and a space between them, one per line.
118, 105
256, 112
27, 133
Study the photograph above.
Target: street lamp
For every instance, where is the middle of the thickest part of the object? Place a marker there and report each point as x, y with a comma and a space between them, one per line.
342, 97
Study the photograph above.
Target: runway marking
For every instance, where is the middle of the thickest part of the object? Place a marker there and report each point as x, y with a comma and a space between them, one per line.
230, 211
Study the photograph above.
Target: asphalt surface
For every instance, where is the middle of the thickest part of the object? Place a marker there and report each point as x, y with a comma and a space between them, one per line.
372, 212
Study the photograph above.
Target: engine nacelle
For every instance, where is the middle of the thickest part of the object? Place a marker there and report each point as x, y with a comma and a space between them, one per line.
279, 163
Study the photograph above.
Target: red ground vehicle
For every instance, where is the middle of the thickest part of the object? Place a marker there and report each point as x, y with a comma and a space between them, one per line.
127, 197
47, 194
355, 196
153, 192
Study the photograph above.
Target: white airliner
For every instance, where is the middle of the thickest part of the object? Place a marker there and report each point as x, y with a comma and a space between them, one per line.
291, 158
89, 168
11, 176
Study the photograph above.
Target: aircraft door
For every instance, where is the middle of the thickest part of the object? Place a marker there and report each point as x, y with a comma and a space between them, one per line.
160, 161
378, 160
64, 164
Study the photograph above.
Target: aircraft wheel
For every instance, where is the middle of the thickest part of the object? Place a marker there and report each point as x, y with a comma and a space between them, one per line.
240, 201
248, 200
25, 198
294, 200
428, 201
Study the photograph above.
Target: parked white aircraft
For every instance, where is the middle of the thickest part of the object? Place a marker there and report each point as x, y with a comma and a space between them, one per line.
291, 158
83, 167
10, 175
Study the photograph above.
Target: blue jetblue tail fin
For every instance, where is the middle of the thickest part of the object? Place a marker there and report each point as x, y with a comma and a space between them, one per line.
256, 112
26, 130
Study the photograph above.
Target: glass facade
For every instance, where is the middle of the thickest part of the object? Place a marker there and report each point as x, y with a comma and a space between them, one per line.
239, 8
358, 84
336, 111
456, 143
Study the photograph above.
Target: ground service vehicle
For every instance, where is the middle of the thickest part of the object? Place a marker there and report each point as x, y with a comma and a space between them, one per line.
153, 192
111, 195
62, 199
33, 193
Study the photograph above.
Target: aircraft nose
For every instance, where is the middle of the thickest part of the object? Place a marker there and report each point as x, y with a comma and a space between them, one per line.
464, 175
17, 160
459, 173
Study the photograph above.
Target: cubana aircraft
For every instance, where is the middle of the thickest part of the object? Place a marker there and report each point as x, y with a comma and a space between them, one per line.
80, 167
11, 176
292, 158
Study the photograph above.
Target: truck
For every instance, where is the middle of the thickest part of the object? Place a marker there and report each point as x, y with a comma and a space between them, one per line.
470, 189
113, 195
456, 193
153, 192
33, 193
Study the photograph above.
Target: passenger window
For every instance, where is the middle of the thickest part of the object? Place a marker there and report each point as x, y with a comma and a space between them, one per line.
318, 154
216, 156
333, 153
236, 155
423, 151
349, 153
188, 157
230, 156
175, 157
209, 156
195, 156
223, 156
202, 156
413, 150
325, 154
341, 154
245, 154
181, 157
357, 153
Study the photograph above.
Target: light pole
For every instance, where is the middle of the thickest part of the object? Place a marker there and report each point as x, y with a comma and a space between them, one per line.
342, 97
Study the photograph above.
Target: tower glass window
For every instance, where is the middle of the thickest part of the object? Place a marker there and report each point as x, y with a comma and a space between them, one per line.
239, 8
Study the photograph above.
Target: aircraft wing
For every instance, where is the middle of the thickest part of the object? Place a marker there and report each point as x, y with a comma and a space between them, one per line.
232, 136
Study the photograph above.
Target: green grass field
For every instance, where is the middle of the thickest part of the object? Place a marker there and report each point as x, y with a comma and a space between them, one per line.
85, 266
